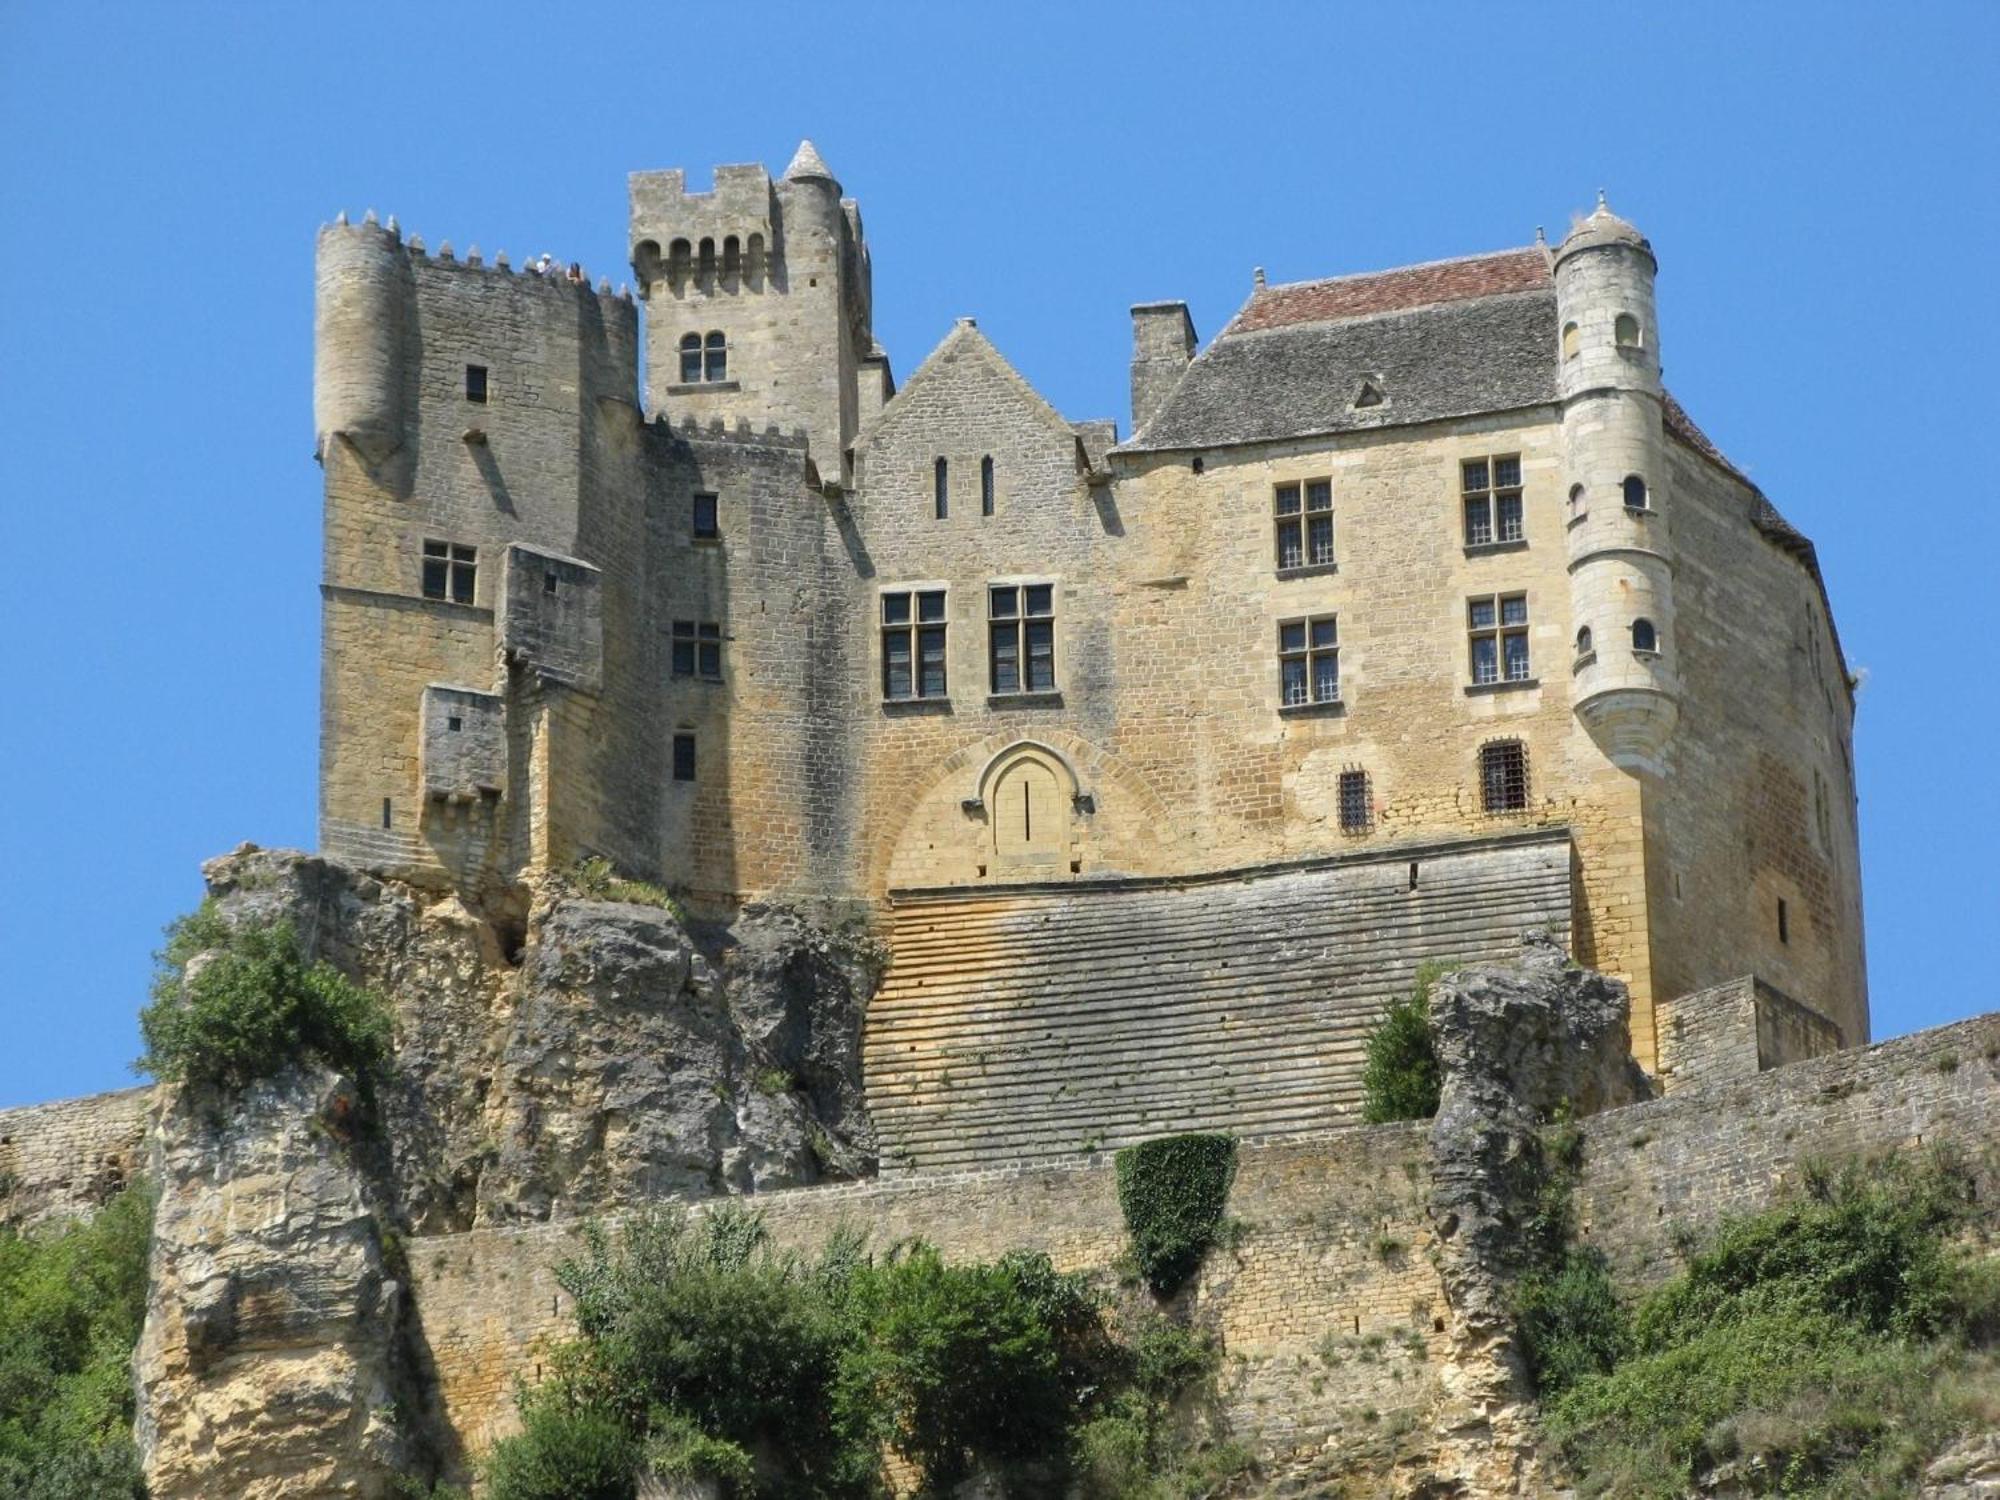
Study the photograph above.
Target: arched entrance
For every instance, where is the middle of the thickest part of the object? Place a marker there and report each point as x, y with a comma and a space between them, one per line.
1030, 797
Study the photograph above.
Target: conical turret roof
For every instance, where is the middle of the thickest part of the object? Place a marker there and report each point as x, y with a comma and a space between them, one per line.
806, 163
1602, 227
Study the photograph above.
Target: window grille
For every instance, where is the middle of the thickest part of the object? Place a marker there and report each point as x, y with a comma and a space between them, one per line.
1021, 637
913, 649
1491, 494
1503, 776
1357, 810
1497, 625
1303, 516
1308, 661
450, 571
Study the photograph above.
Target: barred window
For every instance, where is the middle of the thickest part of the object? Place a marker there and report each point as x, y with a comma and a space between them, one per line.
450, 571
1304, 518
1357, 810
697, 649
1498, 627
706, 523
1491, 495
913, 662
1021, 637
1308, 661
684, 757
1503, 776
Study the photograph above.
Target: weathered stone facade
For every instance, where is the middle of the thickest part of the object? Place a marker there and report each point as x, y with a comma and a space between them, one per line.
787, 630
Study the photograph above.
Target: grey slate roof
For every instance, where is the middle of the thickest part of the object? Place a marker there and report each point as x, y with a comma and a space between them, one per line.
1451, 359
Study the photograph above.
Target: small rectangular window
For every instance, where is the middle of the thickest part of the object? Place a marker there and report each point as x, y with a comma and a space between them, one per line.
913, 649
475, 384
684, 757
1308, 661
1497, 627
549, 582
1784, 922
707, 523
449, 571
1490, 494
1021, 637
1302, 512
454, 723
1357, 810
385, 812
1503, 776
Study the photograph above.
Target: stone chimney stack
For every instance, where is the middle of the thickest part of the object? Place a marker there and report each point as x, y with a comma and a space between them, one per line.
1162, 344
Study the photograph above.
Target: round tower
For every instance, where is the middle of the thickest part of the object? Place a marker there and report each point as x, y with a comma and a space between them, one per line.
360, 325
1626, 691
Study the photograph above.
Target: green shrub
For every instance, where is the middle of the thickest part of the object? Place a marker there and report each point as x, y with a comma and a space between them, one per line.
254, 1006
1400, 1079
71, 1302
1825, 1339
1173, 1191
1570, 1320
565, 1452
595, 879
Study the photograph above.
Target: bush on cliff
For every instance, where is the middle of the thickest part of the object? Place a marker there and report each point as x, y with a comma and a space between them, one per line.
1830, 1345
252, 1006
705, 1351
1400, 1079
1173, 1191
71, 1302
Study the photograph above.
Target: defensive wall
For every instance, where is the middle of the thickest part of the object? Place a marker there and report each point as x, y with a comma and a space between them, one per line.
65, 1158
1328, 1306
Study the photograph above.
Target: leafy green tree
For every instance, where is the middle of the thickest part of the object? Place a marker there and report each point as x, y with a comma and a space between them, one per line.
1401, 1079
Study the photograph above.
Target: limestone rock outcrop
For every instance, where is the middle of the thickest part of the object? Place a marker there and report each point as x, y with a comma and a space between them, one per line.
272, 1360
1519, 1044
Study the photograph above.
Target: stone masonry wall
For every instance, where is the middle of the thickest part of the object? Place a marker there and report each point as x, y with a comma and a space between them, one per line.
1329, 1309
66, 1158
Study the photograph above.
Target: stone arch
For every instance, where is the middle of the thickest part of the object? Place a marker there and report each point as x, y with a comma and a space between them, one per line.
944, 835
1029, 792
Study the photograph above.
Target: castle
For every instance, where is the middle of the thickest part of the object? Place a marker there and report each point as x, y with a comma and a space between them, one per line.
1413, 610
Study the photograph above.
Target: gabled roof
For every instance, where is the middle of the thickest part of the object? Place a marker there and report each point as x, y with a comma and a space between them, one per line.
965, 341
1399, 290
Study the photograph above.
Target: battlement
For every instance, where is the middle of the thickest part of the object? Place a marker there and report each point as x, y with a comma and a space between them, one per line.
389, 237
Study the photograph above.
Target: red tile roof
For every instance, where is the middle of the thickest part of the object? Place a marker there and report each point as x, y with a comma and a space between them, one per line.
1394, 291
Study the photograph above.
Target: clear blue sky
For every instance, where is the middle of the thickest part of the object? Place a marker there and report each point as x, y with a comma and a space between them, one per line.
1819, 182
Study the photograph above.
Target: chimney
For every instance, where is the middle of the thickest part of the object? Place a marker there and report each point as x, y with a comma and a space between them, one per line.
1162, 344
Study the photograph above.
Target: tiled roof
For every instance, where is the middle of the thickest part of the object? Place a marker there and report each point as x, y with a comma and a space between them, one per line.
1393, 291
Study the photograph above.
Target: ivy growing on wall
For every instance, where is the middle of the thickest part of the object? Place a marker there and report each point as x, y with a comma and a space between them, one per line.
1173, 1191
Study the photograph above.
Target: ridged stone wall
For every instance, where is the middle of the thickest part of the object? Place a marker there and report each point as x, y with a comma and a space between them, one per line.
1037, 1023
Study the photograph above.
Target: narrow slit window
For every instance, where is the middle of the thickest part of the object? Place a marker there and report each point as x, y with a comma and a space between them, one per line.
1784, 922
986, 485
475, 384
684, 757
941, 489
1497, 627
1583, 641
387, 810
450, 571
913, 644
1021, 638
1357, 810
1503, 776
1308, 661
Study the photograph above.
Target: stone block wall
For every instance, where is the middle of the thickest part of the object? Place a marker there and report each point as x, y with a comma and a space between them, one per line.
63, 1159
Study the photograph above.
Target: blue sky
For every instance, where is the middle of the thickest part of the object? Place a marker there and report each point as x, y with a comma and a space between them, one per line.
1819, 182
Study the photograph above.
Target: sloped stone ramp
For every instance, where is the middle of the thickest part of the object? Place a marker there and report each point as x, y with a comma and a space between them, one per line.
1031, 1023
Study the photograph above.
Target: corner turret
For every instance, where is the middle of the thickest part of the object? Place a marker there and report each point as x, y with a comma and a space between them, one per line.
1620, 539
361, 322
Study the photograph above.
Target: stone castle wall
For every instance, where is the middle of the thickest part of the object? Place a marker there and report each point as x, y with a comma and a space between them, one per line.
65, 1158
1329, 1307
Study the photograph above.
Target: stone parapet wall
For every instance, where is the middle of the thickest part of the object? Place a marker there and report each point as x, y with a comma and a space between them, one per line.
1737, 1029
66, 1158
1328, 1305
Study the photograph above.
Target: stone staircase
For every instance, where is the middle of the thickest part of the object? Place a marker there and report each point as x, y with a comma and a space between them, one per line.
1031, 1023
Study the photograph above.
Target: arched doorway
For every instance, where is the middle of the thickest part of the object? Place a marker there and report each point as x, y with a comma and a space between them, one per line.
1029, 797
